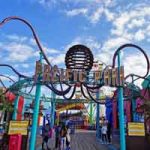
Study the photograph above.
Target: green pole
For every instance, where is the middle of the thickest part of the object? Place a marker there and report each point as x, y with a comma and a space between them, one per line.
91, 113
35, 112
121, 111
15, 107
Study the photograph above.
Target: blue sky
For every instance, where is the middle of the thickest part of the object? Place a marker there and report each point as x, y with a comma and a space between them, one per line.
102, 25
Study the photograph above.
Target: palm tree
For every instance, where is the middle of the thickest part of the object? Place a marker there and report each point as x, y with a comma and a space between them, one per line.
5, 105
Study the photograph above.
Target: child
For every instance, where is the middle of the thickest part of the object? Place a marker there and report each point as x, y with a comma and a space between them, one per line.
104, 134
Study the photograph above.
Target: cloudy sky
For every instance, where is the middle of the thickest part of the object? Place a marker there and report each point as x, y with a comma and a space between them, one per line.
102, 25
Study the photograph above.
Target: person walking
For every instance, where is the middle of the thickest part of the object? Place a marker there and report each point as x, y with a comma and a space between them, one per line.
63, 133
57, 137
47, 132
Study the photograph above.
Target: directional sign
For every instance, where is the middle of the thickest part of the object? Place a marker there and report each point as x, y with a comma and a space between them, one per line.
18, 127
136, 129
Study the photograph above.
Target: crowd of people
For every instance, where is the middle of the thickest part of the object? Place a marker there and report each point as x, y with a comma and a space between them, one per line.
59, 135
105, 131
58, 138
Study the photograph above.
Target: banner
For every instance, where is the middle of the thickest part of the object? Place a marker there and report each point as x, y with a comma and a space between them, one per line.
18, 127
20, 108
136, 129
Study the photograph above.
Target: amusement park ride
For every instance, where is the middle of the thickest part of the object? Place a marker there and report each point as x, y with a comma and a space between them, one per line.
78, 74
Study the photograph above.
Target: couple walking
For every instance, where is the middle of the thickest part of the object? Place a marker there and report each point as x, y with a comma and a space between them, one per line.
61, 137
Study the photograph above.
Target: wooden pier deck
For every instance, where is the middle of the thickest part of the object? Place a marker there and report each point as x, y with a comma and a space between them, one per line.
81, 140
85, 140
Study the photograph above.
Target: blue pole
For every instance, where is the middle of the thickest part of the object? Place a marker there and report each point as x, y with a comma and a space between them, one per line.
23, 110
35, 112
133, 110
53, 109
15, 107
133, 105
121, 111
97, 117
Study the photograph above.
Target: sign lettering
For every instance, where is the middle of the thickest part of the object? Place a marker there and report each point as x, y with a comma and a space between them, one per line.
111, 77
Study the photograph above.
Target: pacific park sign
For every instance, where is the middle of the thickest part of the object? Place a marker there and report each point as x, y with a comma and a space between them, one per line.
109, 76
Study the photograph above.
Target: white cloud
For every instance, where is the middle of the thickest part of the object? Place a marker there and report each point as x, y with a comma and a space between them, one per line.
47, 3
57, 60
133, 64
77, 2
136, 23
105, 57
50, 50
45, 48
129, 26
17, 38
15, 78
20, 65
111, 44
109, 15
90, 42
25, 65
76, 12
4, 79
32, 42
139, 35
20, 49
92, 10
18, 52
132, 21
95, 17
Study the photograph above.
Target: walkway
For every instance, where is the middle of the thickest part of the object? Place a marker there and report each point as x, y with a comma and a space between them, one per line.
85, 140
82, 140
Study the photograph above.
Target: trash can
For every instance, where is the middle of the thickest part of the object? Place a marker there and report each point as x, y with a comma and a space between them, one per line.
15, 142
